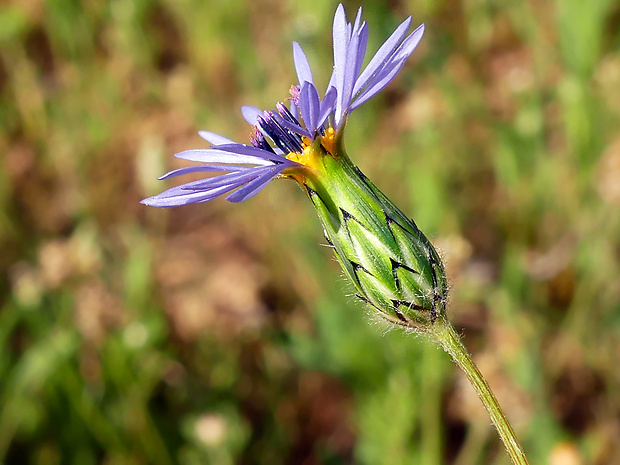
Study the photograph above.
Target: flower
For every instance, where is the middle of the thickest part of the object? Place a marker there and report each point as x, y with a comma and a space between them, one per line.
389, 261
280, 137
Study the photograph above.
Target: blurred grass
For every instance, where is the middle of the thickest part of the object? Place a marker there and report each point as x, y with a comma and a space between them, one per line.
222, 333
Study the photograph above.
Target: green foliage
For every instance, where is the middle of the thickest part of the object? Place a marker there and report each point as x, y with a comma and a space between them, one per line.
222, 333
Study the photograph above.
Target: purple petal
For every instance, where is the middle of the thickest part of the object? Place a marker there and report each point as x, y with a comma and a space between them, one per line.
250, 114
345, 92
237, 179
390, 68
327, 106
358, 19
361, 48
222, 156
214, 138
249, 150
304, 73
202, 169
292, 126
203, 190
383, 79
254, 187
257, 154
176, 197
294, 110
348, 58
309, 105
410, 43
382, 56
340, 44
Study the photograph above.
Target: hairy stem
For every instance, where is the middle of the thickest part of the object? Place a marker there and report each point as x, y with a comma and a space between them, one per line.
444, 333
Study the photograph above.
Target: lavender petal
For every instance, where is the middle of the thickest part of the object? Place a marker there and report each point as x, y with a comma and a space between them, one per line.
249, 150
378, 84
309, 105
361, 49
202, 169
382, 55
237, 179
327, 106
250, 114
221, 156
254, 187
341, 39
410, 43
292, 126
214, 138
173, 197
304, 73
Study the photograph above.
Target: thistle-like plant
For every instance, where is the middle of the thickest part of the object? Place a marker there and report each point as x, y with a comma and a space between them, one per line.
394, 268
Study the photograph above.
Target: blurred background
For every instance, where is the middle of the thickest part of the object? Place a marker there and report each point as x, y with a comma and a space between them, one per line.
225, 334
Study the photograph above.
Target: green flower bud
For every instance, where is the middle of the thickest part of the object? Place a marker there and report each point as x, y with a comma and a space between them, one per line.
391, 263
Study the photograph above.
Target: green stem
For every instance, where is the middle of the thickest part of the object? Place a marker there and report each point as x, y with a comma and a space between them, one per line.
444, 334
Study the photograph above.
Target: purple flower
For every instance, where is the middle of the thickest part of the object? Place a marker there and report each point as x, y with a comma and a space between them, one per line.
285, 139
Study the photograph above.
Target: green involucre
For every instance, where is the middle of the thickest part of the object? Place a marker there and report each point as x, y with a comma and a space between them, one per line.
392, 265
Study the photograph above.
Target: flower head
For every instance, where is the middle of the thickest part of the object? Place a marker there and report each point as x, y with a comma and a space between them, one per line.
392, 265
284, 141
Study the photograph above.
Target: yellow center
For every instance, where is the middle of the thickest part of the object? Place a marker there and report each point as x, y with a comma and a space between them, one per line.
311, 154
328, 141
